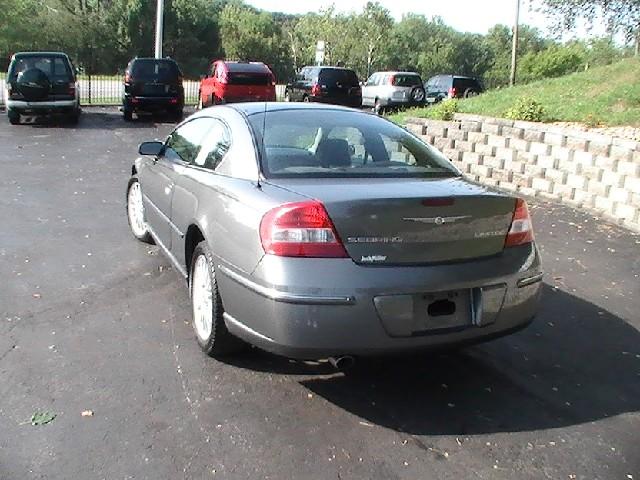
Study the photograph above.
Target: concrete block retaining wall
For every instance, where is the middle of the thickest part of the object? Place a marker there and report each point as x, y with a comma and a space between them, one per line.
595, 172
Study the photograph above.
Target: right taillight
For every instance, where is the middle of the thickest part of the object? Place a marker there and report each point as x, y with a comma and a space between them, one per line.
521, 230
316, 91
301, 229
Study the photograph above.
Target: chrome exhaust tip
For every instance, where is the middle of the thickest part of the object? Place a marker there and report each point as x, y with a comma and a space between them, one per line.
342, 363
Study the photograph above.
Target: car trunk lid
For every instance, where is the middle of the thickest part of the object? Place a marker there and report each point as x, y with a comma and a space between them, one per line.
411, 221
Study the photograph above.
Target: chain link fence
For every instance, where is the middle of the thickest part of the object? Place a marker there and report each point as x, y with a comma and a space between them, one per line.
101, 90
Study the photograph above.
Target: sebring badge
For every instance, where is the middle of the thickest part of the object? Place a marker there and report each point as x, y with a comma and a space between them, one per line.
436, 220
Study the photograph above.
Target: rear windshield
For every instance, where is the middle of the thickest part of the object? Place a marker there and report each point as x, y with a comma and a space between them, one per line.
333, 143
155, 70
236, 78
331, 77
463, 84
56, 68
401, 80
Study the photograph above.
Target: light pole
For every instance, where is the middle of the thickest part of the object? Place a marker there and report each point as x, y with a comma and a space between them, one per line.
159, 22
514, 47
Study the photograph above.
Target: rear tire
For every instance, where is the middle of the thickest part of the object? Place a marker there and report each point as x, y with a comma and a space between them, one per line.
306, 99
74, 117
200, 106
287, 96
378, 108
470, 93
207, 310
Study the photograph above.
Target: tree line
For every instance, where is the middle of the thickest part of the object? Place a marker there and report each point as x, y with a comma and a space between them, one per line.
101, 36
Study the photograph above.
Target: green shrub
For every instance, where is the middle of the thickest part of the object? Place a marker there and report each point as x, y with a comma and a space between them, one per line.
528, 109
555, 61
444, 110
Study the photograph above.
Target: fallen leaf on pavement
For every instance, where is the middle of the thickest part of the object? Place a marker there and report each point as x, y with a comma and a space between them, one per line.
42, 418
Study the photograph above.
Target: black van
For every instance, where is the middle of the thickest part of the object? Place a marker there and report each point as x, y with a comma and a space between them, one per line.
153, 85
336, 85
452, 86
41, 83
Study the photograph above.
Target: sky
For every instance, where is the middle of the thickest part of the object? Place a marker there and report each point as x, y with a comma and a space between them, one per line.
476, 16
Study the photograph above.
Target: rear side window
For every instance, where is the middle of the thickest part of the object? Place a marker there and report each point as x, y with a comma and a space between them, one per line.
56, 68
155, 70
444, 83
331, 77
432, 82
215, 145
402, 80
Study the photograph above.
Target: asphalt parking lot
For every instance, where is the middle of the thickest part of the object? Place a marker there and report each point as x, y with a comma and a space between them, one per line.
92, 320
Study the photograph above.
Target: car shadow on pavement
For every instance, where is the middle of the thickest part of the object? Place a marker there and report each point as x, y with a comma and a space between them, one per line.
98, 119
576, 363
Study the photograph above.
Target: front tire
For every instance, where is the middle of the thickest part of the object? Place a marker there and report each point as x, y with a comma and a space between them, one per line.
14, 117
207, 309
135, 212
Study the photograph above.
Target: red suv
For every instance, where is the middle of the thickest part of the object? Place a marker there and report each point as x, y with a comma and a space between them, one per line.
237, 82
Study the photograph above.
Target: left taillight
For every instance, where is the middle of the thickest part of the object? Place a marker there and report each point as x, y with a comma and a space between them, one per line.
301, 229
127, 77
452, 92
521, 230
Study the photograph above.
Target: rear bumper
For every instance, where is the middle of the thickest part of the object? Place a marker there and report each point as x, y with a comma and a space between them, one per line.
41, 107
146, 103
337, 310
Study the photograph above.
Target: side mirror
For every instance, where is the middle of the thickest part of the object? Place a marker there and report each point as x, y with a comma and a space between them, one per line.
151, 148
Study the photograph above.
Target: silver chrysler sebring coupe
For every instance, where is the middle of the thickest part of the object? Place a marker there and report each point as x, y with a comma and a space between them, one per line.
315, 231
